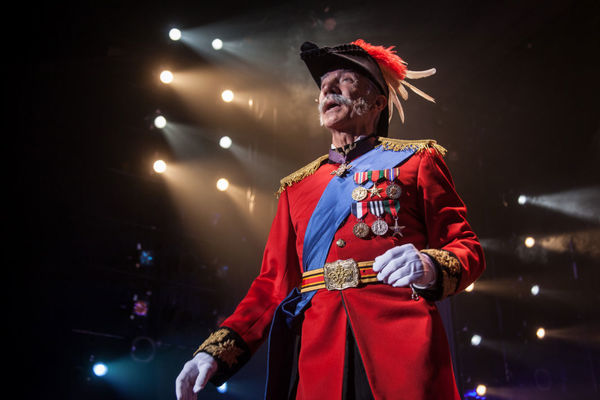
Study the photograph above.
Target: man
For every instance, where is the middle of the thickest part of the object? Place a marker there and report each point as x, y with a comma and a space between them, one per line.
364, 240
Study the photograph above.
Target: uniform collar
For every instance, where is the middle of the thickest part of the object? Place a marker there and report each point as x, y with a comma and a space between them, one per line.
349, 152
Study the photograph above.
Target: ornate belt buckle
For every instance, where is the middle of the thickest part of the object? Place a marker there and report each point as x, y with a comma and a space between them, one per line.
341, 274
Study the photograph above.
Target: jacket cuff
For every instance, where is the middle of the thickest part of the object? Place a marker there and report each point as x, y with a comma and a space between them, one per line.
449, 271
229, 350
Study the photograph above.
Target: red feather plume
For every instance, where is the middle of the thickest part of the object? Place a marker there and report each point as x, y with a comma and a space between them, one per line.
386, 57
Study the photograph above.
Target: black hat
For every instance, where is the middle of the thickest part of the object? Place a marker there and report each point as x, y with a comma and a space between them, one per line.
380, 64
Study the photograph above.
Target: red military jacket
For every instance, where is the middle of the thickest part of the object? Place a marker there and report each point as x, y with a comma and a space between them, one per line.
401, 341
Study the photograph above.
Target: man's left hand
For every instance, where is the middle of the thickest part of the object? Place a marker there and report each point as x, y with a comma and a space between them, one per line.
404, 265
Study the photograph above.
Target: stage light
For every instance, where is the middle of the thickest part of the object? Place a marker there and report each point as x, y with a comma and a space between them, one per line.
217, 44
475, 340
175, 34
540, 333
470, 287
225, 142
535, 290
222, 184
529, 242
227, 96
522, 199
160, 122
481, 390
100, 369
166, 76
159, 166
222, 388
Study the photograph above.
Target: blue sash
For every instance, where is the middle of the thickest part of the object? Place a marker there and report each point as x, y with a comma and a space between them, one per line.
331, 211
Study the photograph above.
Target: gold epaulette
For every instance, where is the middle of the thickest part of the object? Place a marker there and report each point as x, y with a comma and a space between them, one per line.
301, 173
418, 145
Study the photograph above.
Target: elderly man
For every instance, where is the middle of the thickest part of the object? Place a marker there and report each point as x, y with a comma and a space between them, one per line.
365, 239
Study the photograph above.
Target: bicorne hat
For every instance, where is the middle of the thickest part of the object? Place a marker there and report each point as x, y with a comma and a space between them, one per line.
380, 64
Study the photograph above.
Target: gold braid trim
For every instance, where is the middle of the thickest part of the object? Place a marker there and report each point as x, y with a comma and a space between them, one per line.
418, 145
222, 345
302, 173
451, 270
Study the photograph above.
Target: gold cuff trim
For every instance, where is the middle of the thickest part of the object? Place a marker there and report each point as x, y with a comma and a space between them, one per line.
223, 346
418, 145
450, 268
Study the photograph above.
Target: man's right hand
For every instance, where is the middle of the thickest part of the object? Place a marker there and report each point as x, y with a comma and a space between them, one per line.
194, 376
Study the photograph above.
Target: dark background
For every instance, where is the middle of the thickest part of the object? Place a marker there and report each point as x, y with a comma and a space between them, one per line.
516, 106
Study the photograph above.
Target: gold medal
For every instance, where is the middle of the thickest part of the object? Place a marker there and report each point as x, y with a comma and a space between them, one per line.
393, 191
359, 193
361, 230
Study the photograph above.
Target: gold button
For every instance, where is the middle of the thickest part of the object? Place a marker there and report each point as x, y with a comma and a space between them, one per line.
341, 242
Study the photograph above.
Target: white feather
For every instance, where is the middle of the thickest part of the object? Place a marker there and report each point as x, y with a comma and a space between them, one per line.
420, 74
419, 92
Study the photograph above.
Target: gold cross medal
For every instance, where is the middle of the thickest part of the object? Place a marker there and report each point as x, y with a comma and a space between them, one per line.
342, 169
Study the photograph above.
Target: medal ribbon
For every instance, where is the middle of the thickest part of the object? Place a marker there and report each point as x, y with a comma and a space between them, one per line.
359, 209
377, 207
392, 206
364, 176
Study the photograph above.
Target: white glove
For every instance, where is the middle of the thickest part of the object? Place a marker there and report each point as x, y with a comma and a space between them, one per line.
194, 376
404, 265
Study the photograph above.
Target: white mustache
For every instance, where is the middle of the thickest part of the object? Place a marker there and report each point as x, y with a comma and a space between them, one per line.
336, 98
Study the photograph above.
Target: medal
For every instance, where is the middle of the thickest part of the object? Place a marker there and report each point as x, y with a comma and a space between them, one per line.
342, 169
393, 191
375, 191
394, 207
360, 229
359, 193
379, 227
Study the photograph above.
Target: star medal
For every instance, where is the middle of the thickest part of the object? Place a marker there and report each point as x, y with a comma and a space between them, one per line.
393, 191
375, 191
379, 227
361, 229
394, 207
359, 193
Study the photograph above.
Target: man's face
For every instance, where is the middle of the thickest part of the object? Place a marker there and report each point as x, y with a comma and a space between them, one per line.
353, 107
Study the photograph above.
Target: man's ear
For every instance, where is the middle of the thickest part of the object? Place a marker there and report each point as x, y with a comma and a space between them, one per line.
381, 102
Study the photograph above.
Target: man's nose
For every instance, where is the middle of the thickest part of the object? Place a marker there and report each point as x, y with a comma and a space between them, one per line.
330, 88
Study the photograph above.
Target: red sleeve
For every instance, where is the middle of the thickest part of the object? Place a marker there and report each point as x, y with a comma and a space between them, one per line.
452, 243
279, 274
